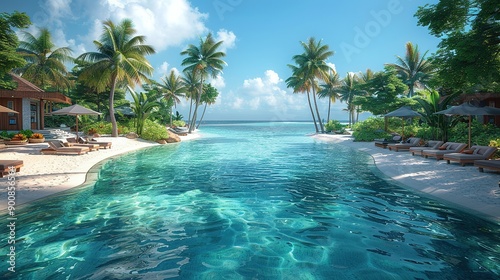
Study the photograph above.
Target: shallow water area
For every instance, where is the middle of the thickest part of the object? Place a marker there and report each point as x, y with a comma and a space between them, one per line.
253, 200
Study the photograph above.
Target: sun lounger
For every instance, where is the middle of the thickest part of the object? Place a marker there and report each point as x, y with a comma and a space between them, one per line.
470, 155
492, 164
446, 148
382, 143
431, 145
102, 144
54, 149
411, 142
5, 164
72, 143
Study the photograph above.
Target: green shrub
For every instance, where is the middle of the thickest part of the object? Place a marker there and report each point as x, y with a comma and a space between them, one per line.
154, 131
104, 127
481, 134
369, 129
334, 125
27, 132
178, 123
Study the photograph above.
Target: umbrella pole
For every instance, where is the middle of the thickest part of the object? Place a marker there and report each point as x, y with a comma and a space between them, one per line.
403, 132
469, 129
76, 138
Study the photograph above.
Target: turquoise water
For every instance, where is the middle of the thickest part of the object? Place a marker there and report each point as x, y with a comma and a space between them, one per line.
248, 201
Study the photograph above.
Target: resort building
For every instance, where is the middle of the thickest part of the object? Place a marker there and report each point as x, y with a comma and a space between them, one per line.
31, 102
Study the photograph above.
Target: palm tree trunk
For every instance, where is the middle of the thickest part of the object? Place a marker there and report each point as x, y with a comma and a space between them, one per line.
317, 112
312, 112
202, 115
190, 108
114, 130
329, 107
196, 105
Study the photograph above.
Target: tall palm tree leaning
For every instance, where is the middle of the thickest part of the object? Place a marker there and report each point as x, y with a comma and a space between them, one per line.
172, 89
312, 65
413, 69
192, 83
330, 90
347, 91
45, 63
299, 84
202, 61
120, 58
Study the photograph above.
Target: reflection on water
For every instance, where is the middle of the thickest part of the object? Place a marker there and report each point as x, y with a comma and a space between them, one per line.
253, 201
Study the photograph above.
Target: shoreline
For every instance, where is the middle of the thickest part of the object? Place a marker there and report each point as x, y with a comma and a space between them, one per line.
463, 187
46, 175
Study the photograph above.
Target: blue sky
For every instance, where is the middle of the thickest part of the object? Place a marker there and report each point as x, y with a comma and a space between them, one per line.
260, 39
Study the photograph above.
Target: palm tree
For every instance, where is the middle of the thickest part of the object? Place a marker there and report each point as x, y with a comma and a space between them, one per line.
299, 84
120, 59
413, 69
203, 60
192, 84
330, 90
45, 63
347, 91
172, 88
312, 65
208, 98
142, 106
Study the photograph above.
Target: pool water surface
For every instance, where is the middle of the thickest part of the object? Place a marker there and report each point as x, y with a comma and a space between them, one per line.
248, 201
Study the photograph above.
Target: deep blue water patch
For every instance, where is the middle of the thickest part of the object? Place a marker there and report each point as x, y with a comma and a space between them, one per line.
249, 201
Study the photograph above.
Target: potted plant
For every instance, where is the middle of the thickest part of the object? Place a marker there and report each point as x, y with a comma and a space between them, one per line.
17, 139
37, 138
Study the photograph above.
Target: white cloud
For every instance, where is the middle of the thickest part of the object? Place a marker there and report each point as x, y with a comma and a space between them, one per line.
218, 82
228, 38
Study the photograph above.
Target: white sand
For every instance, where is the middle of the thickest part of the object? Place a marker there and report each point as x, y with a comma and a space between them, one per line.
477, 193
44, 175
464, 186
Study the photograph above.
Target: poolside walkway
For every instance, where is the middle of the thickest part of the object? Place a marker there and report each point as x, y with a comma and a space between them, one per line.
464, 186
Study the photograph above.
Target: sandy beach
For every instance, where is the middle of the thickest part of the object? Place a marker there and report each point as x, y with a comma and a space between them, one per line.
44, 175
462, 186
465, 187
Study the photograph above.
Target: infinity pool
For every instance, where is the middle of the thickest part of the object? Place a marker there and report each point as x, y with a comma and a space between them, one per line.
248, 201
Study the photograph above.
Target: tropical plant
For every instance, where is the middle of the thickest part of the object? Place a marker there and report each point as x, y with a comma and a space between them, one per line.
45, 65
120, 59
348, 90
172, 89
142, 106
208, 98
468, 57
154, 131
432, 102
203, 61
330, 89
9, 58
179, 123
312, 66
192, 83
300, 84
413, 69
177, 116
334, 125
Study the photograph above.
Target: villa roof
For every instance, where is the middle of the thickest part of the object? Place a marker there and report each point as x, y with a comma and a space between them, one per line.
25, 89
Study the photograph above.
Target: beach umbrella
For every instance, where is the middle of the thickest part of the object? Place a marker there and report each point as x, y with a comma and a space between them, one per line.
467, 109
75, 110
403, 112
4, 109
